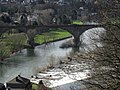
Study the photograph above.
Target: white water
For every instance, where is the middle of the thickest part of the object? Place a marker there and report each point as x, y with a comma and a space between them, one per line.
30, 62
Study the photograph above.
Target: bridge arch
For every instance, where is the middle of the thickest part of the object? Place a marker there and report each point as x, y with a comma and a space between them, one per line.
53, 34
74, 30
31, 31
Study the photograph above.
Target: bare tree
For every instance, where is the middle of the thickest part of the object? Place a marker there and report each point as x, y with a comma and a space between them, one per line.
105, 72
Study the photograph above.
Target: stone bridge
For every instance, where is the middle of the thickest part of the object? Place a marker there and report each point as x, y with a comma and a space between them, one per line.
31, 31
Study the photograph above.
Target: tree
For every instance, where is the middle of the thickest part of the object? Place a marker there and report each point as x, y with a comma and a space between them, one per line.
65, 19
6, 18
4, 52
23, 19
105, 71
108, 9
12, 10
74, 15
41, 1
108, 55
15, 43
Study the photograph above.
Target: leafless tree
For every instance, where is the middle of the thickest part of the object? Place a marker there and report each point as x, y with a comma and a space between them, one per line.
105, 72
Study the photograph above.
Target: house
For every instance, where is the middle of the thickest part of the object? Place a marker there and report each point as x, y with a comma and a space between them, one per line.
19, 83
2, 86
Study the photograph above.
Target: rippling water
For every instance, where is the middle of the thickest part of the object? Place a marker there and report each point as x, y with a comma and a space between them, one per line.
31, 61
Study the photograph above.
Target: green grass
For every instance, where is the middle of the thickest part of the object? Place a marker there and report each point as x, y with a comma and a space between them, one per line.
34, 86
77, 22
54, 35
51, 36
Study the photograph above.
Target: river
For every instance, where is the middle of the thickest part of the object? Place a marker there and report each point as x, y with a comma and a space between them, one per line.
29, 62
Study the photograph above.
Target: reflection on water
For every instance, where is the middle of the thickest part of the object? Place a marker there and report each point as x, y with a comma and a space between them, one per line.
30, 53
29, 61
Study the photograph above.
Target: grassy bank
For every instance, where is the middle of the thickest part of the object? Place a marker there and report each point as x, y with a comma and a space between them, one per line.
11, 43
77, 22
51, 36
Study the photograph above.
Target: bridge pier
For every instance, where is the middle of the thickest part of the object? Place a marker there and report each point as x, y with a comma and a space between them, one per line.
76, 42
31, 43
76, 31
31, 31
30, 37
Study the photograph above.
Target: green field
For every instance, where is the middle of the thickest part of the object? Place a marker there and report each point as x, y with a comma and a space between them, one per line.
77, 22
54, 35
51, 36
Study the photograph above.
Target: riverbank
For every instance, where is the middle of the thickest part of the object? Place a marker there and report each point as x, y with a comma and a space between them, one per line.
51, 36
80, 72
13, 43
37, 44
44, 59
64, 75
68, 73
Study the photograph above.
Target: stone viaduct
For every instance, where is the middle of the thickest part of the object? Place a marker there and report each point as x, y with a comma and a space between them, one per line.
31, 31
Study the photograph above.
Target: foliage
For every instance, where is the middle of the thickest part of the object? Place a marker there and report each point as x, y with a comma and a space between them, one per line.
40, 1
15, 42
4, 52
45, 16
1, 23
23, 19
39, 87
106, 75
77, 22
108, 9
6, 18
34, 86
66, 19
11, 43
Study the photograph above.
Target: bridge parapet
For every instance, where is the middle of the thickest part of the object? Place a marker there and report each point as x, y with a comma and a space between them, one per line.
31, 31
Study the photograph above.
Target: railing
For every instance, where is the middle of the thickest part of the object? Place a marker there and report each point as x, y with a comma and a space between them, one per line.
49, 26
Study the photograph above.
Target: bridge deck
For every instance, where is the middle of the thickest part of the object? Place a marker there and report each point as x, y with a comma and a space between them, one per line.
50, 26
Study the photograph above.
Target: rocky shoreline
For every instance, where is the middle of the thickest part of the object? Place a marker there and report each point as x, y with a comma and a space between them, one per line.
63, 75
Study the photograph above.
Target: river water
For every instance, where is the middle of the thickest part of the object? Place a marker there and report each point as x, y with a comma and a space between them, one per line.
29, 62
